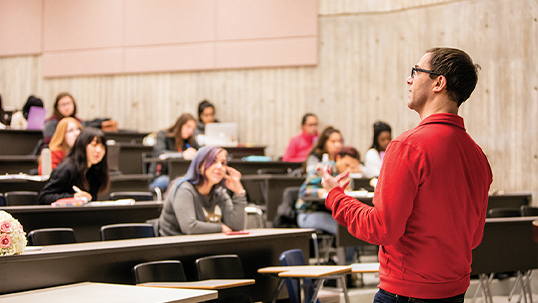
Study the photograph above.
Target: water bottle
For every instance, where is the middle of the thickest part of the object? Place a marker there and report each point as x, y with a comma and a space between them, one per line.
46, 166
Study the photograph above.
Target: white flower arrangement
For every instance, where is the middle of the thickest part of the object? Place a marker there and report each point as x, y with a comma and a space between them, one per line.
12, 236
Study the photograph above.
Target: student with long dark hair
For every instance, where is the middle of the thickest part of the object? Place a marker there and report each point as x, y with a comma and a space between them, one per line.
84, 167
199, 202
329, 142
374, 156
177, 138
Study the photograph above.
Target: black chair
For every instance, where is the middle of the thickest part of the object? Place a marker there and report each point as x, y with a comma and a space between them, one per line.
159, 271
224, 267
504, 212
15, 198
51, 236
2, 200
126, 231
135, 195
528, 211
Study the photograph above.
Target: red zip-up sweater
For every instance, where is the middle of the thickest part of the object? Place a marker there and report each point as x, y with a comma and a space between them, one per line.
429, 209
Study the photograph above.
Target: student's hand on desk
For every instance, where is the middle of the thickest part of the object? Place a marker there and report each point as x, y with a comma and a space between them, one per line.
329, 182
189, 153
225, 228
233, 180
83, 195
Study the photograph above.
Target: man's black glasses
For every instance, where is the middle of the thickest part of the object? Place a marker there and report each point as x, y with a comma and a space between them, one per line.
415, 69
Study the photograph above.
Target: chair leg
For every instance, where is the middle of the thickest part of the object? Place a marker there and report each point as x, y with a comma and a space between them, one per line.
316, 247
278, 289
483, 285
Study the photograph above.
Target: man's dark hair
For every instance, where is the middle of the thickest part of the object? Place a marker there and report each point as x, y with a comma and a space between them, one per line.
350, 151
306, 117
459, 70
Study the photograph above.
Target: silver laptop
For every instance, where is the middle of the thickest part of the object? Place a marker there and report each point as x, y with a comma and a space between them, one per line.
221, 134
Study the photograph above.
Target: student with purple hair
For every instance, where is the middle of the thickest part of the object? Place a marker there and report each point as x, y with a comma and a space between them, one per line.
199, 202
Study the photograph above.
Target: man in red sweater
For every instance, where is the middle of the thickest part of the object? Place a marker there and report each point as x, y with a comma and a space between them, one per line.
299, 146
432, 193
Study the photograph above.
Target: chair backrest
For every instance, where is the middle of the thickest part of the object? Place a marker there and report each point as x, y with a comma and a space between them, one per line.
219, 267
224, 267
2, 200
14, 198
285, 213
528, 211
136, 195
504, 212
126, 231
295, 257
159, 271
51, 236
255, 217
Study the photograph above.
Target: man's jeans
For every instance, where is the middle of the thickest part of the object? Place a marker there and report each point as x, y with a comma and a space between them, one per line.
386, 297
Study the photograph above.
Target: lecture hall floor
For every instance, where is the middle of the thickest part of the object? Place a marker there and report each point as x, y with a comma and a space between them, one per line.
500, 289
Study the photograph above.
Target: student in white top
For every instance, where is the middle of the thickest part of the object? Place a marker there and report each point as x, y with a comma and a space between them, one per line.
374, 156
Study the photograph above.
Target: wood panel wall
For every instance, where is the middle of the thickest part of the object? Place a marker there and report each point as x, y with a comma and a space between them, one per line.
366, 50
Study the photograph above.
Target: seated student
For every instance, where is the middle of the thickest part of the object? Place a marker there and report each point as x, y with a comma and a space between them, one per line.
199, 203
177, 138
64, 106
329, 142
299, 145
19, 119
85, 167
314, 214
374, 156
62, 141
206, 114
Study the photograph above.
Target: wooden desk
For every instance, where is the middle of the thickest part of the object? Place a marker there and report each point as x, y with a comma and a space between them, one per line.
132, 182
127, 182
507, 246
320, 272
178, 167
127, 158
239, 152
85, 220
112, 261
23, 141
267, 189
126, 136
514, 200
20, 183
212, 284
104, 293
16, 164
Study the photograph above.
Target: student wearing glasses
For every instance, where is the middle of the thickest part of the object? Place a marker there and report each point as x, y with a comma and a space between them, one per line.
199, 202
299, 145
64, 106
432, 193
374, 156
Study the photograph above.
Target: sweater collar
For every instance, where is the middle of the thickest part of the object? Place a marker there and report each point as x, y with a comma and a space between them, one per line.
444, 118
307, 136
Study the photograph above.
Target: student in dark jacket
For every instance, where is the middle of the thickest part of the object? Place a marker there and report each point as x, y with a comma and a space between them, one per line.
177, 138
84, 167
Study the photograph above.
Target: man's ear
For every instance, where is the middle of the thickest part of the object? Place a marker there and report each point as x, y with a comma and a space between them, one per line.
439, 84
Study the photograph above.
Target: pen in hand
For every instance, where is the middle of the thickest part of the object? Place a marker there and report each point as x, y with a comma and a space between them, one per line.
78, 190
